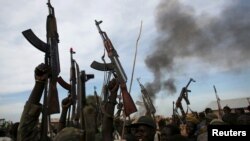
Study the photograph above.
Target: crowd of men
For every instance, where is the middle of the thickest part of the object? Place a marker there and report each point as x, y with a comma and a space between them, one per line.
110, 127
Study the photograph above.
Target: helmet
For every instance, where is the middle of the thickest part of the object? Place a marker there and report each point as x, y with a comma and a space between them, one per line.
145, 120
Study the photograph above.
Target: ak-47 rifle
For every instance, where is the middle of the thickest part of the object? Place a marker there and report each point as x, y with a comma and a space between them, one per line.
84, 78
119, 107
218, 103
73, 85
51, 101
174, 119
79, 90
51, 56
147, 100
82, 102
183, 95
66, 86
129, 105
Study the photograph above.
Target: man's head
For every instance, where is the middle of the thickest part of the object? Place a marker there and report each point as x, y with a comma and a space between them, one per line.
227, 109
145, 128
208, 110
202, 115
240, 111
243, 120
210, 117
169, 131
161, 123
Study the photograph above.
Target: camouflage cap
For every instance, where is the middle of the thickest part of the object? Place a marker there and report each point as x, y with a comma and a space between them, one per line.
69, 134
145, 120
217, 122
191, 118
211, 116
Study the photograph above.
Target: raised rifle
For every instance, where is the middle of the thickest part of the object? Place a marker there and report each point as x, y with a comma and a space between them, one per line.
183, 95
51, 56
82, 96
174, 119
79, 90
119, 107
129, 105
66, 86
147, 100
148, 111
73, 85
51, 101
218, 103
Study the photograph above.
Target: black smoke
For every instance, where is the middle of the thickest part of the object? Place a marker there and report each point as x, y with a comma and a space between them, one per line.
221, 41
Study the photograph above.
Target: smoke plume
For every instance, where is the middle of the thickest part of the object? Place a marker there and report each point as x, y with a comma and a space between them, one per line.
221, 42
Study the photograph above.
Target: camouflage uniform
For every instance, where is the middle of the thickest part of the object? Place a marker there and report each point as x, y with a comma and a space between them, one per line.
89, 122
108, 111
27, 129
69, 134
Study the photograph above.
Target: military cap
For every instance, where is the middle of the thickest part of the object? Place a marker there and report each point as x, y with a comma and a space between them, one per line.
191, 118
217, 122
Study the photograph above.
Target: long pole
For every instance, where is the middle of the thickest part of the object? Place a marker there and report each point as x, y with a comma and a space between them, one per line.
133, 69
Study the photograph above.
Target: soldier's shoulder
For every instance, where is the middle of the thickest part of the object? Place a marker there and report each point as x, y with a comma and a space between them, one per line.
69, 133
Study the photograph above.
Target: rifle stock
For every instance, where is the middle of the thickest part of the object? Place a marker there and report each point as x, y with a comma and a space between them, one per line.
53, 100
129, 105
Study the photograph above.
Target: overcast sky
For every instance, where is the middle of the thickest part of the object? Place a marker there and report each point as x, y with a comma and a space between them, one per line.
204, 40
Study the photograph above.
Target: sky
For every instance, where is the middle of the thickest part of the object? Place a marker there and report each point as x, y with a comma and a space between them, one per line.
180, 39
